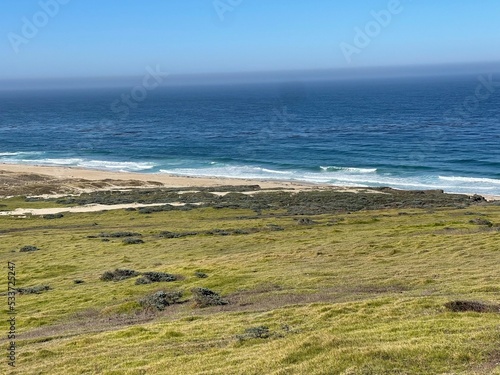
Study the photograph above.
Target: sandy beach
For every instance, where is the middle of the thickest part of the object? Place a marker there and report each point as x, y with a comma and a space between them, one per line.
167, 180
65, 179
32, 180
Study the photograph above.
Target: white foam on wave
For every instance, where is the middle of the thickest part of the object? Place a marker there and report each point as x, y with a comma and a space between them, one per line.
273, 171
364, 180
242, 171
348, 169
61, 161
117, 166
234, 171
359, 177
473, 180
20, 153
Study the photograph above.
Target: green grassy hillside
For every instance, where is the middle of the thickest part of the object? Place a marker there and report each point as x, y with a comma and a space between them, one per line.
330, 292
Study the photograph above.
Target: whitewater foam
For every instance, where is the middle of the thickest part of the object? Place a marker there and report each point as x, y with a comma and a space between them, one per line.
348, 169
332, 175
350, 177
118, 166
473, 180
21, 153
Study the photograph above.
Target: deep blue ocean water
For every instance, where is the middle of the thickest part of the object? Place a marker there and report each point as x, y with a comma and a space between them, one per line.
425, 133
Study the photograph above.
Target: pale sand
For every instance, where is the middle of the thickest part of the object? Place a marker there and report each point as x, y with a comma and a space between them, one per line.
165, 179
87, 208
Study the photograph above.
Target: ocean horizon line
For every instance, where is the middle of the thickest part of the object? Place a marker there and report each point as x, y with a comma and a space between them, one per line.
347, 73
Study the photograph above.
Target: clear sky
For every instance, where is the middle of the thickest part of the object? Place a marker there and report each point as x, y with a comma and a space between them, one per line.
87, 38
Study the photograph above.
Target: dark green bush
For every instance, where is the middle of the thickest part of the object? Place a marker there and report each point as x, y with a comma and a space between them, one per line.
260, 332
462, 306
118, 274
167, 234
480, 221
306, 221
155, 277
150, 210
28, 248
142, 281
34, 289
219, 232
241, 231
120, 235
160, 300
53, 216
275, 227
204, 297
132, 241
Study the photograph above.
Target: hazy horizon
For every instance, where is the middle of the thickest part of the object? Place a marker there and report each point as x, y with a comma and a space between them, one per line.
215, 40
317, 75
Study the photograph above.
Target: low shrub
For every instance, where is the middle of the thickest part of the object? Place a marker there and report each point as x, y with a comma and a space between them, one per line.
167, 234
28, 248
118, 274
219, 232
201, 275
132, 241
462, 306
34, 289
275, 227
241, 231
120, 235
305, 221
53, 216
153, 209
204, 297
155, 277
213, 232
142, 281
480, 221
160, 300
260, 332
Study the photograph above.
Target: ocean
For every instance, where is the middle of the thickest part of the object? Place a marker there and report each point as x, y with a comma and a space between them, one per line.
411, 133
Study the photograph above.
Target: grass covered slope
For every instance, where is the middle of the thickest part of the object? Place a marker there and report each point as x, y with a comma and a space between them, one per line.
331, 292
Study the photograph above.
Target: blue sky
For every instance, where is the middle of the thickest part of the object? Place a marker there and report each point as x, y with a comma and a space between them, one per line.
87, 38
